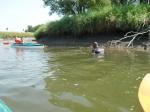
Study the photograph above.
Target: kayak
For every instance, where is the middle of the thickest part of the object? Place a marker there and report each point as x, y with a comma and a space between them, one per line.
28, 45
4, 107
6, 42
144, 93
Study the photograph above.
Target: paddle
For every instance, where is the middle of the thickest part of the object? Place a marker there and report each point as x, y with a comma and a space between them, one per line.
4, 107
144, 93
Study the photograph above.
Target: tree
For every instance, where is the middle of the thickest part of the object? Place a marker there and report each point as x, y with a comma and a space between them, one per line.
139, 1
72, 7
130, 1
32, 28
119, 1
145, 1
29, 29
68, 7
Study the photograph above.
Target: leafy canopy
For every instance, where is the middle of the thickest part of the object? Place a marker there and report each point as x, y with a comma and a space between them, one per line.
72, 7
75, 7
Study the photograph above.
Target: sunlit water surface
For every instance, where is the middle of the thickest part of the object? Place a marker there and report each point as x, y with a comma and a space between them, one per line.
71, 79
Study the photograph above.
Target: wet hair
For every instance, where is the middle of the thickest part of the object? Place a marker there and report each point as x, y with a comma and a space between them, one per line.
95, 44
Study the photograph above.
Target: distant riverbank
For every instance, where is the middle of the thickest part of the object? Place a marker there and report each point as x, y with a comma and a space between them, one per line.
8, 35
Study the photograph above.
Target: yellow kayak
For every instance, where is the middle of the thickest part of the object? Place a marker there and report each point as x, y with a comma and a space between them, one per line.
144, 93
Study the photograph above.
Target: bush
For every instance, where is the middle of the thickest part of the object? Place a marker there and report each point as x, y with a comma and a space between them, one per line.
101, 19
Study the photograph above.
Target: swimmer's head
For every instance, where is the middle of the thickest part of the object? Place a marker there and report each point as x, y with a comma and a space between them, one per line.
95, 44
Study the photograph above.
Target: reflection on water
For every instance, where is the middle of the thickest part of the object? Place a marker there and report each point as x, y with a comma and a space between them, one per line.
19, 52
21, 78
85, 83
71, 80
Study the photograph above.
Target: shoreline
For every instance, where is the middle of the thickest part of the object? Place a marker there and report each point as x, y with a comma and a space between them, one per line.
86, 41
77, 41
83, 42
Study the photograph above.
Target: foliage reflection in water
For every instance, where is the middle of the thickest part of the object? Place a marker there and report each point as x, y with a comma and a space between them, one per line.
85, 83
71, 80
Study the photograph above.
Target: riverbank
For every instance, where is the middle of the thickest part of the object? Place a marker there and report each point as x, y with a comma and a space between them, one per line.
103, 40
77, 41
9, 35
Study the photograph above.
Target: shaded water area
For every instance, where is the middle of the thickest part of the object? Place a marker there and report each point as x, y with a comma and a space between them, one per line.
71, 79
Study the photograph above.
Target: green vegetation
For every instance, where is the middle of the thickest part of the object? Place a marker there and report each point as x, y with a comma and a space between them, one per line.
73, 7
31, 28
94, 17
15, 34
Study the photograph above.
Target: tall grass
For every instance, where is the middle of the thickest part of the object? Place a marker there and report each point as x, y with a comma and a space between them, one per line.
15, 34
104, 19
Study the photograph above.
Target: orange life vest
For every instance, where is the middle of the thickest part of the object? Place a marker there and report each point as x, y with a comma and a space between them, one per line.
18, 40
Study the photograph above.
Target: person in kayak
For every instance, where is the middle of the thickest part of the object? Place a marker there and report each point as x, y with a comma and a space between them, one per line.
95, 48
18, 40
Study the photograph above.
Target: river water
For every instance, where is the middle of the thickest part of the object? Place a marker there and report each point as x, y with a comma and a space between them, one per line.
71, 79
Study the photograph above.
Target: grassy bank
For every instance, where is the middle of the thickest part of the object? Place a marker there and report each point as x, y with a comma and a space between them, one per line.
15, 34
107, 19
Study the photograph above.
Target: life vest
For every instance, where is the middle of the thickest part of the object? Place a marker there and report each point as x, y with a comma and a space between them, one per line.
18, 40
